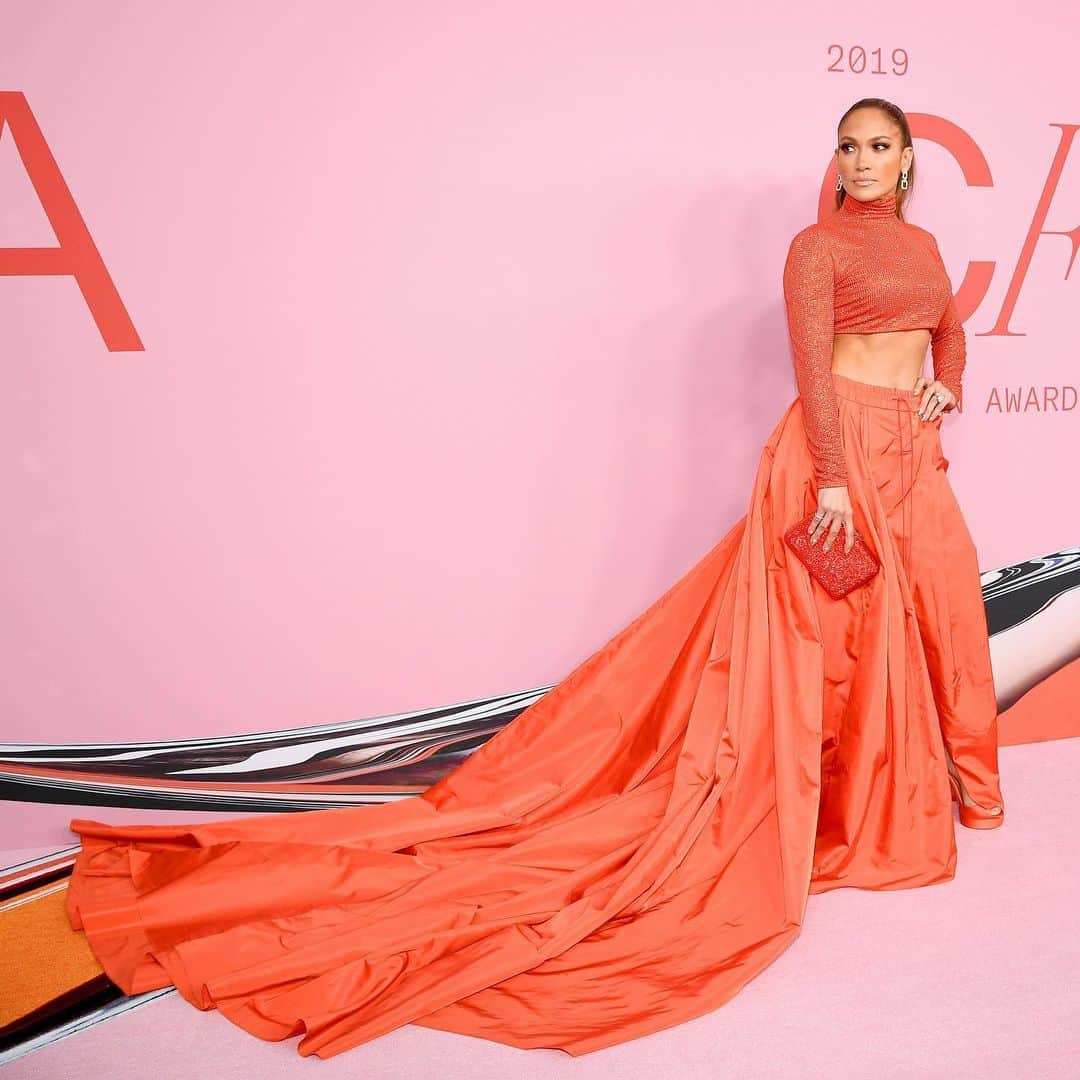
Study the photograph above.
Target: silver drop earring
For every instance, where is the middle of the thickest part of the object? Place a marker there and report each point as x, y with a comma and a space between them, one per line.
839, 182
903, 180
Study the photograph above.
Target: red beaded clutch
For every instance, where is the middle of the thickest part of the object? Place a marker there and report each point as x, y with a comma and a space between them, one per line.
837, 570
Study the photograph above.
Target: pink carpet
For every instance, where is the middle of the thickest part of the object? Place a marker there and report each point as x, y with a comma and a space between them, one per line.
979, 977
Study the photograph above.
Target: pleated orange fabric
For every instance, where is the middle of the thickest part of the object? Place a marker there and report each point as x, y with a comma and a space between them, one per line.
640, 842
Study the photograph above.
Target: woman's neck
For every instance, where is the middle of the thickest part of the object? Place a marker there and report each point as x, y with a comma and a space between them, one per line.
881, 208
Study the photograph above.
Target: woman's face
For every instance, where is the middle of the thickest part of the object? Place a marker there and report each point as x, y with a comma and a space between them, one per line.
870, 149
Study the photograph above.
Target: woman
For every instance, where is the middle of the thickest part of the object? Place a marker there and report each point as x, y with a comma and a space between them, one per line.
640, 842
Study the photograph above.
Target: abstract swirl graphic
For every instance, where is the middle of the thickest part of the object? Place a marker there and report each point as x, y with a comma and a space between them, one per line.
311, 768
1017, 593
390, 757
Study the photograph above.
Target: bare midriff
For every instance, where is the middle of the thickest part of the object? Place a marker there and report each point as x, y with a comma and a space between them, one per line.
892, 358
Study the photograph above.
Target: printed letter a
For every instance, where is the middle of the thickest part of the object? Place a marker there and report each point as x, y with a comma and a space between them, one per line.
77, 254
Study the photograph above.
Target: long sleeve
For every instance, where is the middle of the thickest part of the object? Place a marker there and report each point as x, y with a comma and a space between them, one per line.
948, 344
808, 295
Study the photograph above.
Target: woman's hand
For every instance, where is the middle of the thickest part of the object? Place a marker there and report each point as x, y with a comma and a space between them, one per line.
930, 408
833, 514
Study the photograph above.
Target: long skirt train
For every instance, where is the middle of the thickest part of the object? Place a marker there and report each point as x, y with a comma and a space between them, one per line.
639, 843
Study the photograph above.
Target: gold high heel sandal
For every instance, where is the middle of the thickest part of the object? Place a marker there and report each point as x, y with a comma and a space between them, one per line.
974, 816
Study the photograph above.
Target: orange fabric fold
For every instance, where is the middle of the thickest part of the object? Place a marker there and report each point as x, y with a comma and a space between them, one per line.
639, 843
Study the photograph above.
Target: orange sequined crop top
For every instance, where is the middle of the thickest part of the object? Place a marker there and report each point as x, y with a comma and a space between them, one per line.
862, 270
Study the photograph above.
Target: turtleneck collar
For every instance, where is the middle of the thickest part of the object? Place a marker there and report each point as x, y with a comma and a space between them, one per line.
884, 206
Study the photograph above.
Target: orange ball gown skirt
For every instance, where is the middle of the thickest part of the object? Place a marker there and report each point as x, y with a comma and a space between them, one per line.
639, 843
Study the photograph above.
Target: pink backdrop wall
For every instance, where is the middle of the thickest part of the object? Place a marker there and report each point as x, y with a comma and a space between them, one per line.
462, 331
